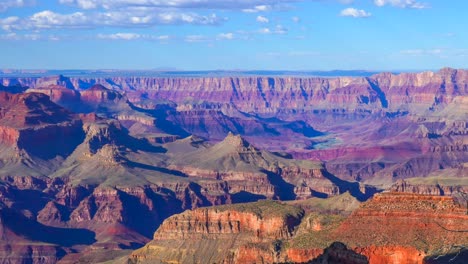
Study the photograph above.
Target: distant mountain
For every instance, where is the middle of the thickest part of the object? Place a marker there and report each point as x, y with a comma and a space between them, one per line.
107, 158
179, 73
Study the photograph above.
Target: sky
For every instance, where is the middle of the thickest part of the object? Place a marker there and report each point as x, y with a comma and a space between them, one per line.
234, 35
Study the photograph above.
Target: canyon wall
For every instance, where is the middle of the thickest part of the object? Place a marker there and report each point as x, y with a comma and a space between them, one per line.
389, 228
268, 95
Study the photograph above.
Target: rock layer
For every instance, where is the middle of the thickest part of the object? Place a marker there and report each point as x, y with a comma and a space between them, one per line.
390, 228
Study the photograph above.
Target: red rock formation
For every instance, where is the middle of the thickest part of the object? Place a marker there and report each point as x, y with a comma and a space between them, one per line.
301, 255
233, 234
428, 189
265, 94
98, 94
58, 94
390, 228
404, 228
392, 255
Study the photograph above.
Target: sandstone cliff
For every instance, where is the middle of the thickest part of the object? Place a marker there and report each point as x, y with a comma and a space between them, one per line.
226, 234
390, 228
385, 126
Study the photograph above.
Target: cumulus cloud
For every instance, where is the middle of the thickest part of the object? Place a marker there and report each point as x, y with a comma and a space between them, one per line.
420, 52
262, 19
7, 4
28, 37
353, 12
195, 38
50, 20
120, 36
227, 36
258, 5
132, 36
258, 8
278, 30
402, 3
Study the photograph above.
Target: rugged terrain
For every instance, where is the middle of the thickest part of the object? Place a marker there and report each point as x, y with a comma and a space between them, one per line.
390, 228
373, 129
107, 160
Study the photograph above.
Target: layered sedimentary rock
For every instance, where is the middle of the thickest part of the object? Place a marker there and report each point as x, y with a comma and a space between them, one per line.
227, 234
269, 94
429, 189
111, 174
386, 126
408, 226
32, 127
390, 228
248, 169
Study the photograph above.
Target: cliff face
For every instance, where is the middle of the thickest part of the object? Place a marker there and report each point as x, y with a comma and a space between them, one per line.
428, 189
43, 220
390, 228
226, 233
385, 126
270, 94
97, 184
409, 225
29, 121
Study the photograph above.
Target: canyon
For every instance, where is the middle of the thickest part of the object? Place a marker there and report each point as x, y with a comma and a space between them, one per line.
389, 228
234, 169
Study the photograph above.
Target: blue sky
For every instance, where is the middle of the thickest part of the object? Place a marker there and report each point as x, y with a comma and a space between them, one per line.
228, 34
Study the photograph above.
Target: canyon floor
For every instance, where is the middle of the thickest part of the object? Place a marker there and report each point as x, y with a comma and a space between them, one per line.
248, 169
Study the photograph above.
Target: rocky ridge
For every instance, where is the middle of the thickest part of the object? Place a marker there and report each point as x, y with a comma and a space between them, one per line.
432, 225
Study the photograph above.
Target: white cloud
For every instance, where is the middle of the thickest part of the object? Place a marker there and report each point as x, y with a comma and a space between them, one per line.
262, 19
279, 30
264, 31
353, 12
122, 36
402, 3
132, 36
228, 36
258, 8
195, 38
296, 19
7, 4
51, 20
28, 37
420, 52
252, 5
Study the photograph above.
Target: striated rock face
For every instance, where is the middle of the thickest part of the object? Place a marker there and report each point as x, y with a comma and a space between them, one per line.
232, 234
392, 254
428, 189
58, 94
28, 122
82, 185
50, 218
30, 109
409, 226
270, 94
390, 228
248, 169
196, 224
98, 94
385, 126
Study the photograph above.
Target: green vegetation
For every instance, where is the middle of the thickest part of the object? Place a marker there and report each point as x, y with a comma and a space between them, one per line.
443, 181
264, 208
315, 230
344, 203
